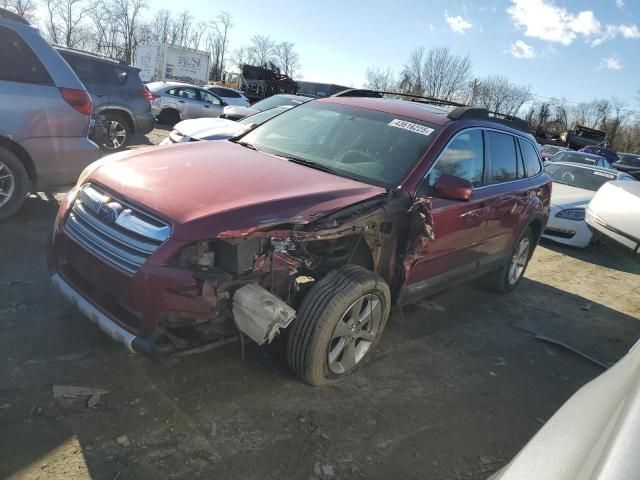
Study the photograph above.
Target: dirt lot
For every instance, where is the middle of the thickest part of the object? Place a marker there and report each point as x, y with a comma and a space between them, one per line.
456, 388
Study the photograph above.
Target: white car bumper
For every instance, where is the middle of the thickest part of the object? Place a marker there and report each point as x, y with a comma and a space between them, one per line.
574, 233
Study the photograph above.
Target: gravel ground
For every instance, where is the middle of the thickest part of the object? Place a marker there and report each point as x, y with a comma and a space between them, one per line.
455, 389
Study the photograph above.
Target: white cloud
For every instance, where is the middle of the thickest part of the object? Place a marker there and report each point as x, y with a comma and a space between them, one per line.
620, 4
610, 63
544, 20
520, 49
457, 23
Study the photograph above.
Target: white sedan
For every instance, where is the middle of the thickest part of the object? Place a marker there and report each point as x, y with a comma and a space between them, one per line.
574, 186
217, 128
614, 215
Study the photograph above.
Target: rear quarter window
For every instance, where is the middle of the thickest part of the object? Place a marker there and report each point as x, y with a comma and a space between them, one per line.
18, 63
532, 165
95, 72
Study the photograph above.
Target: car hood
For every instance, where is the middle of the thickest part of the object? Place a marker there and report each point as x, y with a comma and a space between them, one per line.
566, 196
209, 188
210, 128
233, 110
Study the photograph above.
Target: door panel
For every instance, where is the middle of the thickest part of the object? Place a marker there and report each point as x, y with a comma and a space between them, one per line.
505, 173
211, 105
459, 228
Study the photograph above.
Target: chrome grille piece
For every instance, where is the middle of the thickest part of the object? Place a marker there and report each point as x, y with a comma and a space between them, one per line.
114, 231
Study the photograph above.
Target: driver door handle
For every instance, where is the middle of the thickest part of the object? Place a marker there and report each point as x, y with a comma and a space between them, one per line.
180, 101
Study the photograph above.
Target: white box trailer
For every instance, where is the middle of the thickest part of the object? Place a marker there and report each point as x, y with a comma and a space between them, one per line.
161, 62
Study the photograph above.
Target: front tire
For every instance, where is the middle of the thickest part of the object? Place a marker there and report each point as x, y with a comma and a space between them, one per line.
339, 322
508, 278
14, 183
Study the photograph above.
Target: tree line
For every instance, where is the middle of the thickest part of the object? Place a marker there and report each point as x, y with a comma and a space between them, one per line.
442, 74
116, 27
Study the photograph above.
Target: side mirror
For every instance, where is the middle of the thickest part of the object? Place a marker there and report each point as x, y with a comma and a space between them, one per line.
451, 187
223, 103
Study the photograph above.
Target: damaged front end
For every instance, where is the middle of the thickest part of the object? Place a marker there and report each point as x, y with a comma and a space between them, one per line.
253, 280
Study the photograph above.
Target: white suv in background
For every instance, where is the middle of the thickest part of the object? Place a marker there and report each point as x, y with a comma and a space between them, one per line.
230, 96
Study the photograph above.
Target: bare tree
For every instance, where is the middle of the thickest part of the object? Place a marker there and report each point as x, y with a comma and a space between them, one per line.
436, 73
287, 58
25, 8
160, 26
180, 29
65, 22
411, 76
381, 80
239, 56
261, 50
496, 93
218, 43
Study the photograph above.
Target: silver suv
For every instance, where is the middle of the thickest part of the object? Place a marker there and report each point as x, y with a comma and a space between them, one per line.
121, 103
45, 113
174, 101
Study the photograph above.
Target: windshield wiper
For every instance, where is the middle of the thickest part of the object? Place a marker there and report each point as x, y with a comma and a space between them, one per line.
310, 164
245, 144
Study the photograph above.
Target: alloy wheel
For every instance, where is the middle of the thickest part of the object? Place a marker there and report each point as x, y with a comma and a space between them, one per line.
519, 260
7, 184
354, 334
116, 135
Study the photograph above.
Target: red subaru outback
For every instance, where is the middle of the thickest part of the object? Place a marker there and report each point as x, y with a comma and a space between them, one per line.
313, 225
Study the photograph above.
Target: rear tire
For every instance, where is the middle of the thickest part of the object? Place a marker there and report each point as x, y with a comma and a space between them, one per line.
509, 277
14, 183
339, 322
169, 116
117, 132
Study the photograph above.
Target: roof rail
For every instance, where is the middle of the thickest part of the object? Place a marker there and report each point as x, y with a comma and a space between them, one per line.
85, 52
479, 113
14, 17
358, 92
461, 112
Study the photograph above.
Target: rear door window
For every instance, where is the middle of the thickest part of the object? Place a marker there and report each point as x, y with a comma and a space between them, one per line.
225, 92
503, 160
182, 92
208, 97
18, 63
532, 165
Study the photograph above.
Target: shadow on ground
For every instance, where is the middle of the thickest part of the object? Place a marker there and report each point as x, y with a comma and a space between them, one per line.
454, 390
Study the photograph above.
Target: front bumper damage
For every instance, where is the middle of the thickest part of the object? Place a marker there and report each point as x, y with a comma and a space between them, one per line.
260, 278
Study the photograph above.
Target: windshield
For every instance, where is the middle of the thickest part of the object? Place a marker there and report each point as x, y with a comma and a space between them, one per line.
367, 145
633, 160
276, 101
587, 178
550, 149
259, 118
576, 158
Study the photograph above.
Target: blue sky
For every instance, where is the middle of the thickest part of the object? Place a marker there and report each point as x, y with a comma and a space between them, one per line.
575, 49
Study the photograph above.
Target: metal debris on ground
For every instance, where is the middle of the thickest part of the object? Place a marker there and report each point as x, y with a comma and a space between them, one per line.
553, 341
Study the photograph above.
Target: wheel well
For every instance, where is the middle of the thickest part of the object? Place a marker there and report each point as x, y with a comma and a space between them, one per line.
122, 113
22, 155
169, 109
334, 253
536, 226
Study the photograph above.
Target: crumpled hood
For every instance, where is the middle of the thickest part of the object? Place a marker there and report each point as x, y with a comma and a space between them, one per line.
206, 188
566, 196
210, 128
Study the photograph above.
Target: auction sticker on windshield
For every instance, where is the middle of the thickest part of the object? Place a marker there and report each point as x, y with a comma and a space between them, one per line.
604, 174
412, 127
